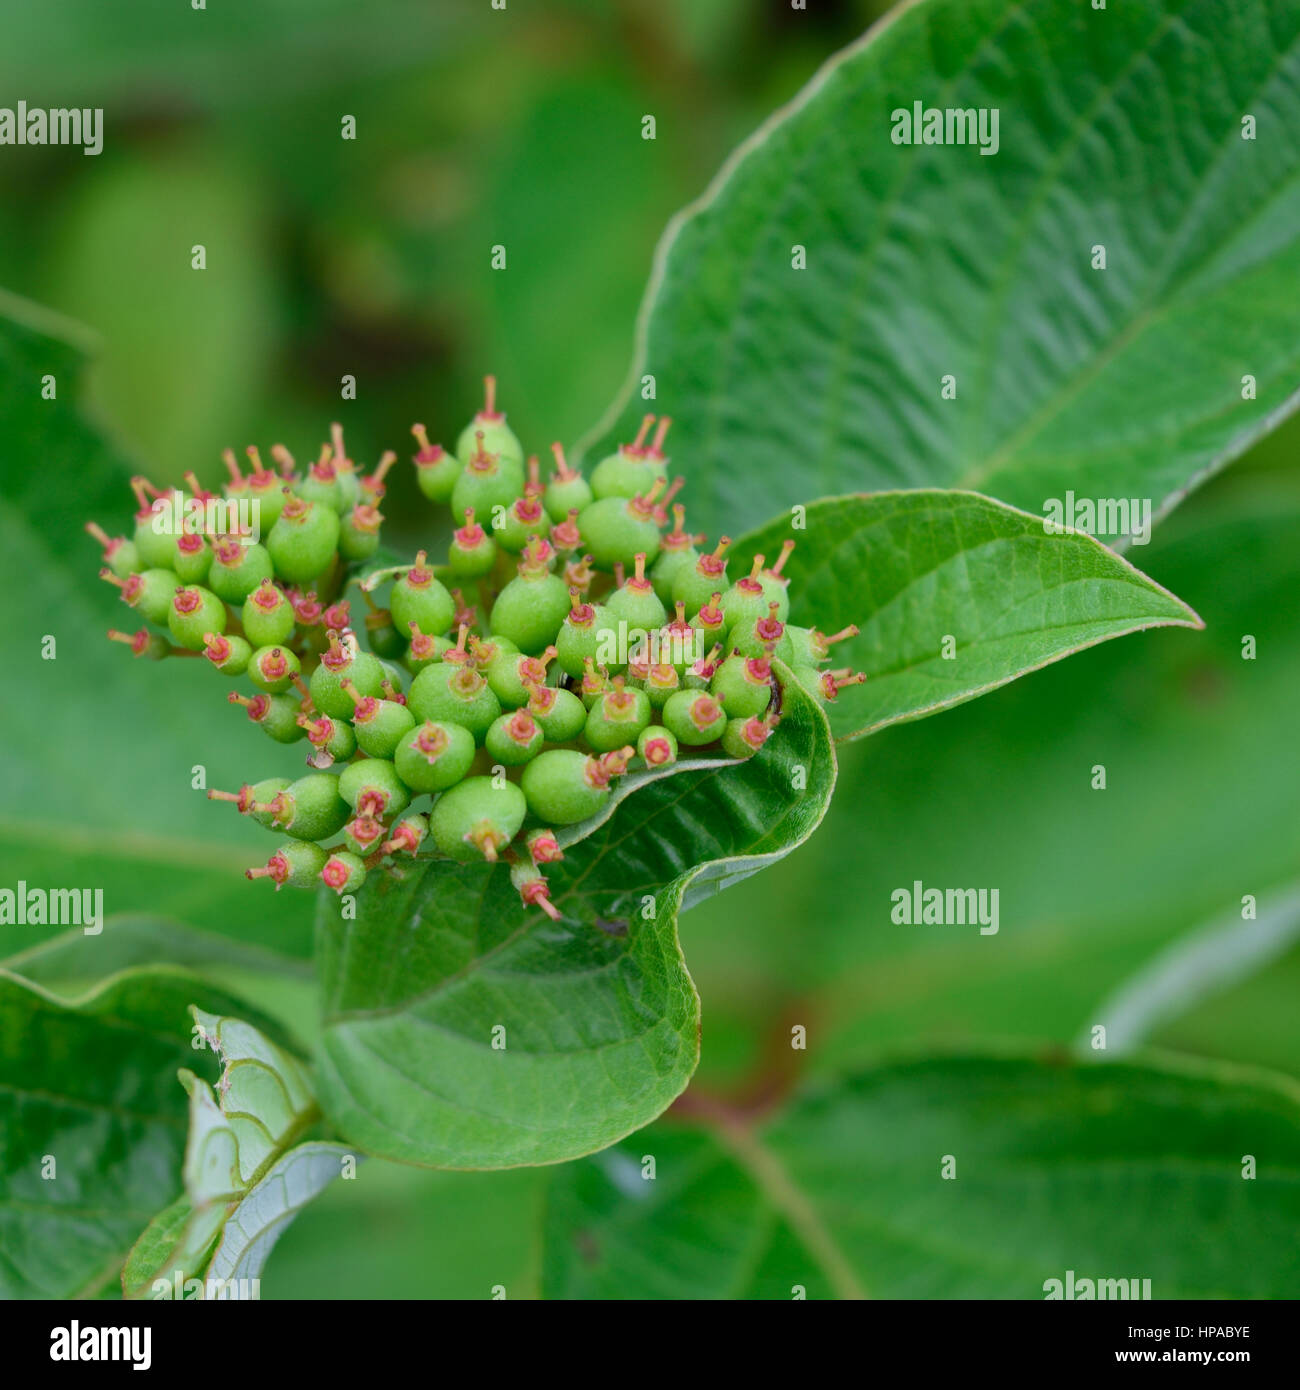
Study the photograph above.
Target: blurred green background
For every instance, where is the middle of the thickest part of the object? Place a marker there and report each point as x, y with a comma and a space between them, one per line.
370, 257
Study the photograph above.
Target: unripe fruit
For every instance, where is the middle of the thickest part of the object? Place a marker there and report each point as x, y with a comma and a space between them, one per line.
616, 529
746, 601
519, 523
321, 482
617, 717
627, 472
700, 674
695, 717
677, 552
120, 554
341, 663
563, 786
436, 470
303, 541
657, 746
363, 835
372, 787
230, 655
809, 647
473, 552
297, 863
343, 872
775, 586
275, 715
149, 592
636, 603
742, 738
594, 683
310, 808
710, 622
512, 675
561, 714
408, 835
766, 637
267, 489
679, 643
142, 643
418, 597
744, 685
530, 609
237, 569
489, 479
248, 798
191, 558
383, 637
477, 819
661, 681
273, 669
359, 532
568, 490
154, 546
434, 756
379, 725
453, 694
579, 637
497, 436
696, 586
267, 616
826, 685
514, 738
194, 612
332, 739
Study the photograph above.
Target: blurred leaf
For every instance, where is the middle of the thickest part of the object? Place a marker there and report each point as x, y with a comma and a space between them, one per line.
98, 759
600, 1019
1056, 1168
915, 570
1121, 130
90, 1085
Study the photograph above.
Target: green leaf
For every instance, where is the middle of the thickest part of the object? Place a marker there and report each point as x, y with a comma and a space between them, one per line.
98, 764
600, 1019
916, 569
243, 1183
1121, 130
90, 1084
1057, 1167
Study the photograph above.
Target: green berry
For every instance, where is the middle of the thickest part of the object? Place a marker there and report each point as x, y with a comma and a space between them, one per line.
530, 609
656, 746
297, 863
473, 552
489, 479
628, 471
616, 529
195, 612
310, 808
383, 638
766, 637
191, 558
230, 655
304, 540
149, 592
153, 539
809, 647
742, 738
120, 555
344, 663
568, 491
744, 686
497, 436
561, 714
273, 669
594, 683
142, 643
677, 552
514, 526
579, 638
419, 597
237, 569
343, 872
695, 716
514, 738
333, 739
696, 585
825, 686
662, 680
617, 717
363, 835
248, 798
746, 601
320, 483
267, 615
379, 725
275, 715
477, 819
372, 787
563, 786
454, 694
512, 675
408, 834
434, 756
359, 532
636, 602
711, 622
267, 489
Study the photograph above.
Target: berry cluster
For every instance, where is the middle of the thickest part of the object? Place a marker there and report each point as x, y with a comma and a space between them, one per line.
601, 636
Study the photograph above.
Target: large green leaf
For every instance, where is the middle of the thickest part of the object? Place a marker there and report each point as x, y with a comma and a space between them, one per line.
1120, 128
97, 758
1055, 1168
600, 1019
92, 1086
917, 571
